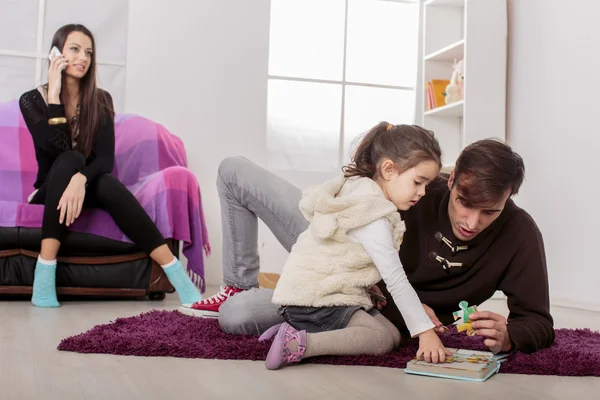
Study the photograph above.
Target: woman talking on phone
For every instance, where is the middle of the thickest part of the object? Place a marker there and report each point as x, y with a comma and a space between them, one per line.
71, 121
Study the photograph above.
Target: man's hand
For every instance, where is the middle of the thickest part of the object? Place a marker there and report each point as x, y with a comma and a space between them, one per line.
377, 296
439, 327
492, 326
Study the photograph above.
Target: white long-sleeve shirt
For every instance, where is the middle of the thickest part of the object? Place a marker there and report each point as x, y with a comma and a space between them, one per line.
376, 238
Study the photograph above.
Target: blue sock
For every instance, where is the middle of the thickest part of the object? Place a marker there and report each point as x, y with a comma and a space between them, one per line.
44, 285
187, 292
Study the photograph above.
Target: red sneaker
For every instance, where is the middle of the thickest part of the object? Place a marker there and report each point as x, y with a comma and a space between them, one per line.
209, 307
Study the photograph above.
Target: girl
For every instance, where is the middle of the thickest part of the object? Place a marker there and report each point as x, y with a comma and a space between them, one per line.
72, 125
351, 243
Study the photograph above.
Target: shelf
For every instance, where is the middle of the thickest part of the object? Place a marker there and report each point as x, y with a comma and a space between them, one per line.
448, 53
451, 3
449, 110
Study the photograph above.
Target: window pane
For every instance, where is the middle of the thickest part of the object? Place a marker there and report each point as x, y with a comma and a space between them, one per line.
307, 38
366, 107
17, 75
18, 24
303, 126
107, 20
382, 42
112, 79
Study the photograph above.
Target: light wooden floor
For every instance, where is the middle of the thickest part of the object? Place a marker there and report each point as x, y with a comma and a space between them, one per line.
32, 368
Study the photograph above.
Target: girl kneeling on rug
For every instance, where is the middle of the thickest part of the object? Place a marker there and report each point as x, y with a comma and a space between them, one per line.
352, 242
72, 125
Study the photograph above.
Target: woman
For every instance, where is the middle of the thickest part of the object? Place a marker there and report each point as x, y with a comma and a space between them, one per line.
72, 125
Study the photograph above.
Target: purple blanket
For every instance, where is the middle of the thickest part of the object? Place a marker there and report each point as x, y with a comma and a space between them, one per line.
149, 160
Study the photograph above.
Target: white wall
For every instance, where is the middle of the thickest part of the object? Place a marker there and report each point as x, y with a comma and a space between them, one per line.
553, 79
199, 67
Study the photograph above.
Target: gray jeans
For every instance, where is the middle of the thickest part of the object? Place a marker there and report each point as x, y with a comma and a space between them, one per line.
248, 192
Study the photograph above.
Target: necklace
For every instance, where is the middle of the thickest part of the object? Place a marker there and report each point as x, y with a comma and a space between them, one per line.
75, 118
74, 124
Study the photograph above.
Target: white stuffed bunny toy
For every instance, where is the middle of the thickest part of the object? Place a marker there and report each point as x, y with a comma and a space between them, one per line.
454, 91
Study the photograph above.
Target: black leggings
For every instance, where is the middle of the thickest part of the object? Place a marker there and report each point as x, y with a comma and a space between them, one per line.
105, 192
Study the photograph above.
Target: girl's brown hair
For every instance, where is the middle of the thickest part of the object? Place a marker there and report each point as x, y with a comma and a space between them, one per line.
405, 145
95, 103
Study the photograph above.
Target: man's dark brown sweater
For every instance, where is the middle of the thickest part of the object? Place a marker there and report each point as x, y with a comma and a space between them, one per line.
508, 256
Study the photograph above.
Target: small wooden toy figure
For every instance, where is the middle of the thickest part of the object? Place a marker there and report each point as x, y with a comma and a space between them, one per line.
462, 318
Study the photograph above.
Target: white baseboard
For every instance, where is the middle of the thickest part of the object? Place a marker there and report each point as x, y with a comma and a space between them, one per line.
557, 302
580, 305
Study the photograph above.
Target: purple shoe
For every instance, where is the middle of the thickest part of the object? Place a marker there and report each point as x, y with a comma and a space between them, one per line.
280, 353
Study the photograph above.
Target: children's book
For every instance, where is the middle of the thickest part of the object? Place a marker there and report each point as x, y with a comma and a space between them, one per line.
438, 89
468, 365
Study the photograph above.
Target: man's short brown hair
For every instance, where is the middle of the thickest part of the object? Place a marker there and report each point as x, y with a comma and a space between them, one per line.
485, 170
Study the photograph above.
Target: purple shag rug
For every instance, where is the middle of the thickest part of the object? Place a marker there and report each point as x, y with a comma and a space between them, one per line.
172, 334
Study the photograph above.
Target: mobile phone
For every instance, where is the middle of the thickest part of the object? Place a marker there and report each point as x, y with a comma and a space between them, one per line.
54, 52
377, 296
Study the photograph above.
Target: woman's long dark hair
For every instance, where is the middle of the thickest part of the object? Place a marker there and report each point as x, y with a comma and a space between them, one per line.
95, 103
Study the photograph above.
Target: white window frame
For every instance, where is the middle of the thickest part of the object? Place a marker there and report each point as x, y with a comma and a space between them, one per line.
40, 54
343, 82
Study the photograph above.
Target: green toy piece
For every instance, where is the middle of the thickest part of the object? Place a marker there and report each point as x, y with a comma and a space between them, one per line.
464, 311
463, 323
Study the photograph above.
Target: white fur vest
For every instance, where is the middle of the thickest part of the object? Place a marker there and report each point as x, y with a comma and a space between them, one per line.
325, 267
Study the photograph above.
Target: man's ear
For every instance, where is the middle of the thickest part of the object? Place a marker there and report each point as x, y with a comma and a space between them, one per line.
451, 179
387, 169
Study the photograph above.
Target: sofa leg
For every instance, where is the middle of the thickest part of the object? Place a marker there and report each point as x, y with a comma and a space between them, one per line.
156, 296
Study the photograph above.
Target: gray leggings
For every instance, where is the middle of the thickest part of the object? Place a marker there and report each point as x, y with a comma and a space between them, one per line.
364, 334
251, 313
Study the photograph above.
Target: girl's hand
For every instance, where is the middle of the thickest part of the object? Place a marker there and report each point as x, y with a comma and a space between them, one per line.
71, 202
57, 66
440, 329
431, 348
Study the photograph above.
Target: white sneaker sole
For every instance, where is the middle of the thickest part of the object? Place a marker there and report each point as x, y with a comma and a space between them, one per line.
198, 313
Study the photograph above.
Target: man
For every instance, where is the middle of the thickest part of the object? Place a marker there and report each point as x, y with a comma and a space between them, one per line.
464, 240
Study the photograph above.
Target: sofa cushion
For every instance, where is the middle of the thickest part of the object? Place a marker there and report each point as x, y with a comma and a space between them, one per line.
9, 238
19, 270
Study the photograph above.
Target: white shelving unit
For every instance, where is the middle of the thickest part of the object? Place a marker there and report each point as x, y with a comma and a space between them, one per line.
475, 31
448, 53
455, 109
